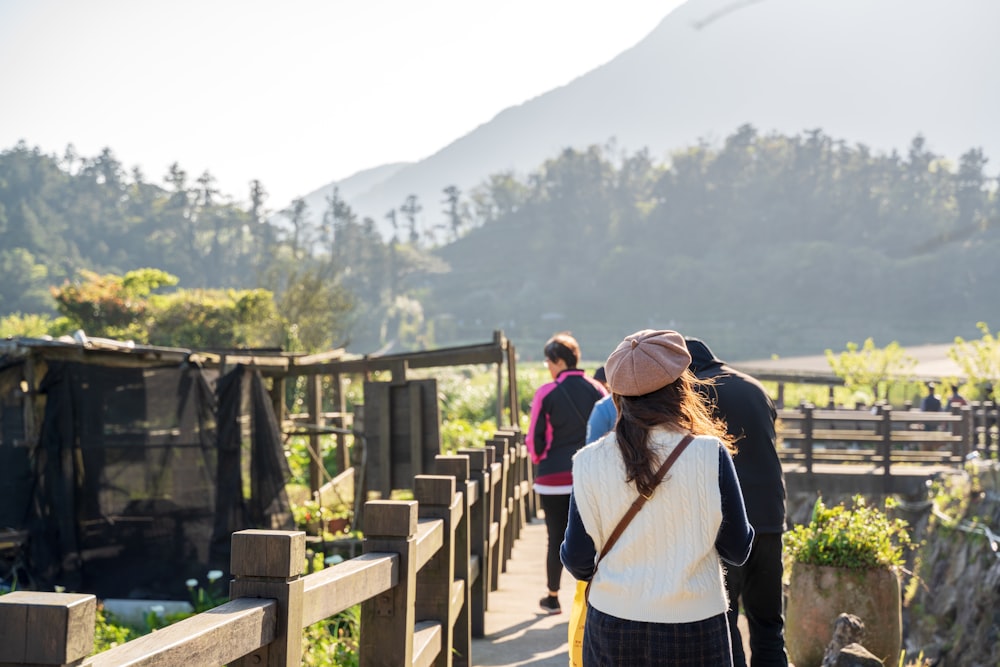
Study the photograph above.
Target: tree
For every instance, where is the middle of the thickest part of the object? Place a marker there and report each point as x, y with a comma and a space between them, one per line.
297, 214
331, 215
25, 280
261, 230
109, 305
180, 209
216, 319
316, 308
970, 189
410, 209
500, 195
27, 326
391, 217
869, 367
455, 216
979, 360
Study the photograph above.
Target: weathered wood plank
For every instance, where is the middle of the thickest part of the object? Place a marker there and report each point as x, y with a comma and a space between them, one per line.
216, 637
334, 589
457, 603
426, 643
430, 537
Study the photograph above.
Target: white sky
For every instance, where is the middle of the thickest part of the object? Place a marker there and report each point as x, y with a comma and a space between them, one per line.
296, 93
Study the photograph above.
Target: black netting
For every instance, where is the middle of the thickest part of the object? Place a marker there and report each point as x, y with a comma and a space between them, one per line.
138, 480
15, 460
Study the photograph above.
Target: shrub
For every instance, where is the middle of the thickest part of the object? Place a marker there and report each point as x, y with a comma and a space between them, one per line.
855, 537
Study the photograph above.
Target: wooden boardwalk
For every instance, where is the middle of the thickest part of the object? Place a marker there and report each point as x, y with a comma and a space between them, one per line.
517, 633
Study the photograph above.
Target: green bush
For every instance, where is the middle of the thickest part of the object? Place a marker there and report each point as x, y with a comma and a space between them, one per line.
855, 537
333, 642
109, 632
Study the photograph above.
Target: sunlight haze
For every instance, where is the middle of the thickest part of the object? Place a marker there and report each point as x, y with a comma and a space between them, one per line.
295, 94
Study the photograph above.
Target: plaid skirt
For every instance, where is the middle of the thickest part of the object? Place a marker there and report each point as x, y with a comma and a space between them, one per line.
609, 641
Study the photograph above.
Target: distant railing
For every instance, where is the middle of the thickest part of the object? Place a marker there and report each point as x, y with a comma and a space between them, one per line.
809, 435
423, 583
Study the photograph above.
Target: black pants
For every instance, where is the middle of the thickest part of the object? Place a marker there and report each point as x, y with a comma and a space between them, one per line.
757, 584
556, 510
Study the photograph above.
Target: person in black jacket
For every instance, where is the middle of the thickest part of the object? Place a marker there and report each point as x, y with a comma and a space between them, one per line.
749, 413
559, 411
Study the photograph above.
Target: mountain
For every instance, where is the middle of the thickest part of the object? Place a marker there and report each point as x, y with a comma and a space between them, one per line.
876, 72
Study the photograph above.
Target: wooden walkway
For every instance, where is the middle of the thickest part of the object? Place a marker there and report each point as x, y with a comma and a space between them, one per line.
517, 633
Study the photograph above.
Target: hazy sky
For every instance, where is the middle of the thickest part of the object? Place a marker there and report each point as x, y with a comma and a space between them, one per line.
296, 93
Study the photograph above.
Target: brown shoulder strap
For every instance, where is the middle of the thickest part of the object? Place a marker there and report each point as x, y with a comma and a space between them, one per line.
641, 499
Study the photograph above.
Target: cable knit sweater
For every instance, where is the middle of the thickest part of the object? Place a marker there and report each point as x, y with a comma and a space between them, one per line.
664, 567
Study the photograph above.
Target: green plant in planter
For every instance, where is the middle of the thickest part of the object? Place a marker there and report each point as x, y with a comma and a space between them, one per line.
845, 560
856, 537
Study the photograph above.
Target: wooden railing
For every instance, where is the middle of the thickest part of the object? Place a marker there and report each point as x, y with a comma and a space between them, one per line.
808, 435
423, 583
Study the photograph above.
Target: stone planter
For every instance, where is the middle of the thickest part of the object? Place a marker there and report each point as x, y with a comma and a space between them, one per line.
817, 594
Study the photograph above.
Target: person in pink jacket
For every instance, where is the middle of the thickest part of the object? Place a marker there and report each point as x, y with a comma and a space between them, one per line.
559, 412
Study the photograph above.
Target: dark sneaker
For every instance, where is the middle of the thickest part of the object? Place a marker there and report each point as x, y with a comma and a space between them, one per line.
550, 605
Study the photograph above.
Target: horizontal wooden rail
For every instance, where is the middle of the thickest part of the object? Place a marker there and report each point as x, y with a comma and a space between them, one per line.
429, 539
334, 589
216, 637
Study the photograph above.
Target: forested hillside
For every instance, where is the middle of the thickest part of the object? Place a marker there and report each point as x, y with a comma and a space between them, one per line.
769, 244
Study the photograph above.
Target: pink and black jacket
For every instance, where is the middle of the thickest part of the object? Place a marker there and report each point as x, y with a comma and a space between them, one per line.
559, 412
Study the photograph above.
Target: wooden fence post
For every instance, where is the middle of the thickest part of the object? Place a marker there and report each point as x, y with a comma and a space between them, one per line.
989, 427
387, 620
496, 514
269, 564
518, 513
314, 406
458, 467
965, 430
340, 406
807, 436
46, 628
504, 442
886, 447
479, 537
436, 583
500, 469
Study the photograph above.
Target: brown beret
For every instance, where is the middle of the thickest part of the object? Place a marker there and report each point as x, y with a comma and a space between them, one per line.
646, 361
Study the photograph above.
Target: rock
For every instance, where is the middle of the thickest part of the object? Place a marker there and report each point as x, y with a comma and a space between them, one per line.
856, 655
847, 630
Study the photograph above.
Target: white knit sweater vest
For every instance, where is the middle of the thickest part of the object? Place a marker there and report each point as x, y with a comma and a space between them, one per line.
664, 568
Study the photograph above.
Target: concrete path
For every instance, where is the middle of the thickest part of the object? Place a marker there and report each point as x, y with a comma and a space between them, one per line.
517, 632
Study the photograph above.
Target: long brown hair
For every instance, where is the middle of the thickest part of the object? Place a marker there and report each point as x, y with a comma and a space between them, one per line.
677, 407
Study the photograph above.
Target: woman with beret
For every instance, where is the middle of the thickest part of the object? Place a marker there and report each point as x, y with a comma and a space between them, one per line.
558, 428
658, 595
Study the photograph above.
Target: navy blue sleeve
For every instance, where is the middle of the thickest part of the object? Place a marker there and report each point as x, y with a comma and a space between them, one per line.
577, 551
735, 534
